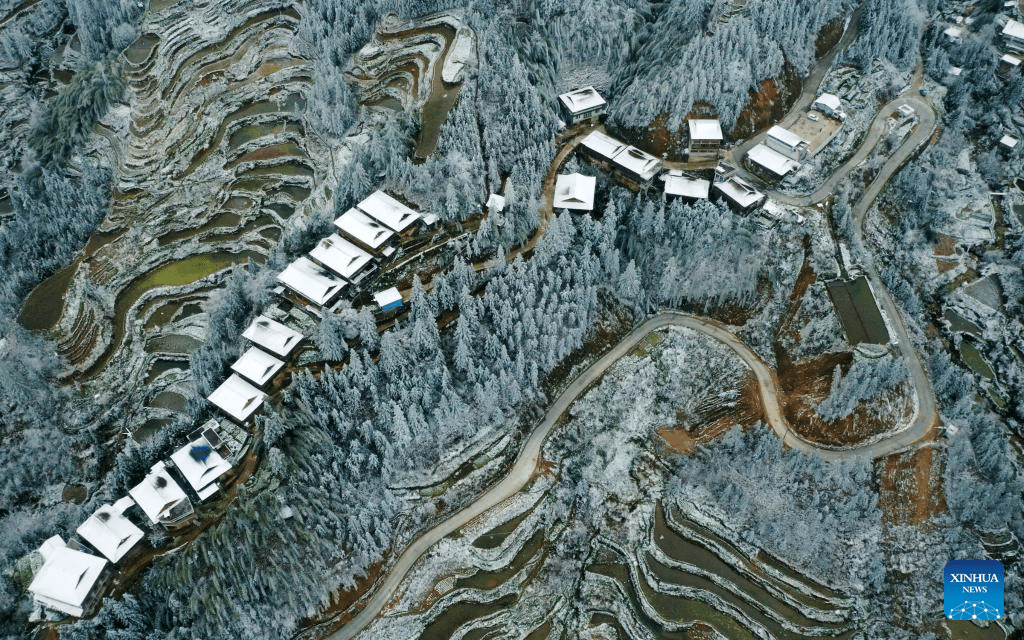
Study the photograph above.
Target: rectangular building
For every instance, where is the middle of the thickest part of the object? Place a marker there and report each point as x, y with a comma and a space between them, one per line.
365, 231
787, 143
257, 366
582, 105
237, 398
685, 186
574, 191
312, 282
69, 579
389, 299
830, 105
389, 212
1013, 36
272, 336
110, 533
161, 498
343, 258
770, 163
740, 195
637, 165
705, 136
201, 466
601, 147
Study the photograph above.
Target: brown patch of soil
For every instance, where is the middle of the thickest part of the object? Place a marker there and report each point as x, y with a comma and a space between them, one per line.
944, 265
74, 493
911, 486
828, 37
945, 245
337, 614
658, 140
747, 412
768, 104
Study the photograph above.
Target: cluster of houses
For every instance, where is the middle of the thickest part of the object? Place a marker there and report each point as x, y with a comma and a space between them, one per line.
637, 169
783, 150
69, 577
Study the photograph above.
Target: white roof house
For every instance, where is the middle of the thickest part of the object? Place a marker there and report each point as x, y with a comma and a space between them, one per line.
1008, 142
770, 159
272, 336
388, 211
1013, 32
829, 104
388, 299
603, 145
684, 186
110, 533
740, 193
65, 581
705, 129
954, 32
495, 203
1011, 60
201, 465
637, 162
574, 191
237, 398
257, 365
158, 495
786, 142
341, 256
361, 227
582, 100
311, 281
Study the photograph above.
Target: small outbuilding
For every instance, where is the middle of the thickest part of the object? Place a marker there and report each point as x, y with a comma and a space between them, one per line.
200, 464
705, 136
272, 336
582, 105
69, 579
388, 299
110, 532
574, 191
830, 105
312, 282
161, 498
1008, 143
237, 398
257, 366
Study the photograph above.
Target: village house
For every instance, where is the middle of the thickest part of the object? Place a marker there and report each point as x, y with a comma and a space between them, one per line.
740, 195
201, 465
636, 167
162, 499
70, 581
787, 143
582, 105
389, 212
705, 136
258, 367
343, 258
108, 531
1013, 36
769, 163
312, 282
272, 336
575, 192
366, 232
685, 186
1008, 65
238, 399
388, 299
1008, 143
830, 105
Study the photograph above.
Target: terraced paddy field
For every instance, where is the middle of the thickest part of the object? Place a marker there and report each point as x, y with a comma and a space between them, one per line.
210, 160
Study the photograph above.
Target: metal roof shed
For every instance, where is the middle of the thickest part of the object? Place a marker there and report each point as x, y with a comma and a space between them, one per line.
388, 299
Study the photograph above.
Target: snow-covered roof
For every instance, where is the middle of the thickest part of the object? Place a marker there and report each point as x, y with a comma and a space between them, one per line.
200, 463
574, 191
955, 71
786, 137
66, 577
602, 144
237, 398
340, 256
272, 336
705, 129
739, 191
495, 203
110, 533
829, 100
158, 493
311, 281
363, 228
257, 366
687, 186
390, 212
1014, 29
906, 110
387, 297
954, 32
1011, 60
581, 100
1008, 141
770, 159
638, 161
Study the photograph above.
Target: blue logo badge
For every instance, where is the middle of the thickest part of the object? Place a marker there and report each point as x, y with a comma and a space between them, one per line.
974, 590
